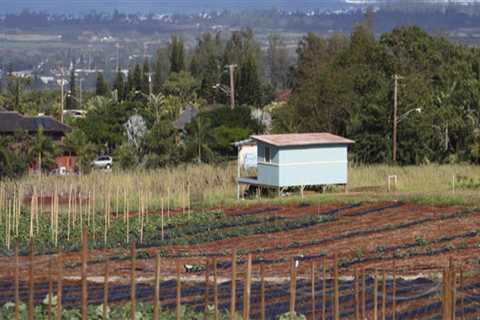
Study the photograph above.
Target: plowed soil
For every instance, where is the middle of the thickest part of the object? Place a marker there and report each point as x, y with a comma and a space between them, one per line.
368, 235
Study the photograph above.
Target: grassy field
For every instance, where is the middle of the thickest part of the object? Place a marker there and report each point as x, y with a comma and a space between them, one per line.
210, 186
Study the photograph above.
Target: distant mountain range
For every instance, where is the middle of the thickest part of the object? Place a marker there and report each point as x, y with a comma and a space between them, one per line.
166, 6
190, 6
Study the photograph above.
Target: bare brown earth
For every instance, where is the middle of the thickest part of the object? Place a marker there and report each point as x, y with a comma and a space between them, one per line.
425, 239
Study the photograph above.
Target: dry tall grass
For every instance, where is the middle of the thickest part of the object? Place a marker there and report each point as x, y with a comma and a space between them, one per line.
212, 185
413, 179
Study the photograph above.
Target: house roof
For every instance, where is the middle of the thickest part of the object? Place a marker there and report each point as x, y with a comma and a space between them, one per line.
246, 142
187, 116
11, 121
302, 139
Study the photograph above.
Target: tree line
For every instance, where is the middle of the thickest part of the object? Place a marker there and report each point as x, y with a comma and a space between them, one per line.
340, 84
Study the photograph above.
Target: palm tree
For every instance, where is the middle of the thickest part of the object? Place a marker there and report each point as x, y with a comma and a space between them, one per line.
41, 147
76, 142
163, 107
200, 139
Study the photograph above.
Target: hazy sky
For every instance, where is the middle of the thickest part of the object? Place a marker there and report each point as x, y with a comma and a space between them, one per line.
75, 6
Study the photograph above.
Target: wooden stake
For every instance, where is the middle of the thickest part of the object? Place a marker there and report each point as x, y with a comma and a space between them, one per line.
59, 283
313, 290
357, 295
293, 287
30, 283
168, 202
246, 292
84, 297
69, 211
384, 295
128, 224
207, 276
364, 289
215, 290
445, 308
336, 300
452, 287
324, 289
179, 293
117, 202
32, 212
163, 234
375, 296
106, 279
133, 279
262, 292
156, 297
50, 289
17, 284
233, 291
462, 295
394, 292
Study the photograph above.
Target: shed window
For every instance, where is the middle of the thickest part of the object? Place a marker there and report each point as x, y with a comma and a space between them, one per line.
268, 155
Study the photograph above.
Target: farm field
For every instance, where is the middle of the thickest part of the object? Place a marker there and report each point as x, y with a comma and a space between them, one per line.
418, 237
414, 241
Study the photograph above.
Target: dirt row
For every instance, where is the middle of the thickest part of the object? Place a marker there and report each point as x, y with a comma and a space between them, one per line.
360, 236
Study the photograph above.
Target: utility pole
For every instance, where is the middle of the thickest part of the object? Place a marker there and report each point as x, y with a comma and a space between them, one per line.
231, 69
62, 93
150, 88
81, 95
395, 119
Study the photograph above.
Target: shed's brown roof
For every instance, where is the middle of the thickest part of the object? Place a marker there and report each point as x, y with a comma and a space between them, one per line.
302, 139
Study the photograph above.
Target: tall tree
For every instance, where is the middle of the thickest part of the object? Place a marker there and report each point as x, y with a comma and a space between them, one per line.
158, 76
277, 62
15, 91
101, 87
119, 86
130, 86
205, 65
200, 139
146, 77
43, 150
72, 96
137, 78
249, 90
177, 54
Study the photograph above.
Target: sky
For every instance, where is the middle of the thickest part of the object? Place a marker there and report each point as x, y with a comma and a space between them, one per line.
170, 6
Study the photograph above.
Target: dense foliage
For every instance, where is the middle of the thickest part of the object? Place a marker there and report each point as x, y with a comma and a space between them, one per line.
346, 86
338, 84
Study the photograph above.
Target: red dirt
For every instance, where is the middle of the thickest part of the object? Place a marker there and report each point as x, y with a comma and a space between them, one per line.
347, 249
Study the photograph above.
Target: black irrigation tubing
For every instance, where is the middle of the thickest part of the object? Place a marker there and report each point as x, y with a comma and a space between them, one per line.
227, 264
375, 210
431, 253
121, 293
367, 232
208, 226
329, 215
290, 224
257, 211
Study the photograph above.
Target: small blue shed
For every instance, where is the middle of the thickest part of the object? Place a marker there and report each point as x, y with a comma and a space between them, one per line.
299, 160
